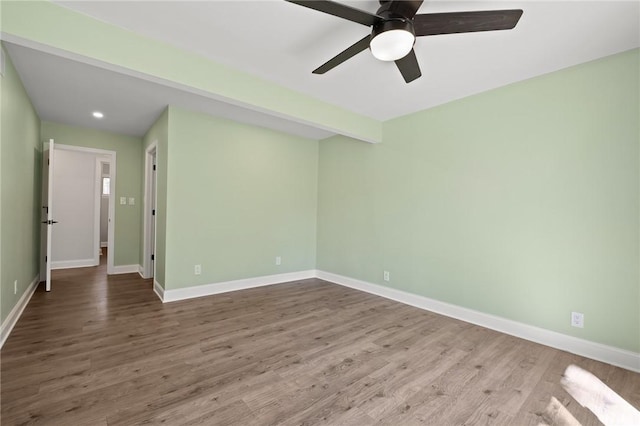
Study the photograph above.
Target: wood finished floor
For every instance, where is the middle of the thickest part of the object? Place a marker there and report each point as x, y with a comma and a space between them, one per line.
106, 351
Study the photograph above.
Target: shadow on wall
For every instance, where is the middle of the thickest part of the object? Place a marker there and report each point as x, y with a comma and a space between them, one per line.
37, 202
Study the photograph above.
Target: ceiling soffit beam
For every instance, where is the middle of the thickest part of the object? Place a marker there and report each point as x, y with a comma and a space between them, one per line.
51, 28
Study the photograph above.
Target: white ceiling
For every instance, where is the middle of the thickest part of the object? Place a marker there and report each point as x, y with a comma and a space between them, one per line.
284, 42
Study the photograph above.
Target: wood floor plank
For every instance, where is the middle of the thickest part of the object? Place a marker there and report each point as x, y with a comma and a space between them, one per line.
103, 350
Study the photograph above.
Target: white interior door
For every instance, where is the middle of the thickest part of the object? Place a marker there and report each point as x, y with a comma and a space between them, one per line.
47, 212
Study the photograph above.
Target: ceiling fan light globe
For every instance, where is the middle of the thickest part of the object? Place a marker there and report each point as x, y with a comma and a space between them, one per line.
392, 45
392, 40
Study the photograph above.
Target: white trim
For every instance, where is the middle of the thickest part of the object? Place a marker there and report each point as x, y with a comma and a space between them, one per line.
111, 226
158, 290
16, 312
141, 272
124, 269
243, 284
104, 244
77, 263
609, 354
148, 246
97, 209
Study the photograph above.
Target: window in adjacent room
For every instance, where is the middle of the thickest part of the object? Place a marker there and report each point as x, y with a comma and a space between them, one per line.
106, 185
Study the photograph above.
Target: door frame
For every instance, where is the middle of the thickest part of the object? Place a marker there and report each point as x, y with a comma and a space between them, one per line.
100, 160
111, 159
150, 198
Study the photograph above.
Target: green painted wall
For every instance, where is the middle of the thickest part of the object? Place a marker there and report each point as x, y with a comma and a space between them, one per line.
128, 180
20, 181
159, 133
522, 202
55, 26
237, 197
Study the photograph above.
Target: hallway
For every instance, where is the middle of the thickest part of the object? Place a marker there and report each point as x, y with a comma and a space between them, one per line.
61, 334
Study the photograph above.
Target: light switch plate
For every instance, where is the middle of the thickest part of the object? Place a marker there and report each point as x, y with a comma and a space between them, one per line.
132, 201
123, 200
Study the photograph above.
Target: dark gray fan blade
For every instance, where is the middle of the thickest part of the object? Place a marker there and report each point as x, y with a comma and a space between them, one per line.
349, 52
404, 8
340, 10
465, 22
409, 67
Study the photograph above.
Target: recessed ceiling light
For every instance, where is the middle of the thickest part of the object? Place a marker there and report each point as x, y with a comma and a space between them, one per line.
98, 114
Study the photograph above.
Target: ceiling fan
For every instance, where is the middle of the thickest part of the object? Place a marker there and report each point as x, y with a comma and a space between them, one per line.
395, 27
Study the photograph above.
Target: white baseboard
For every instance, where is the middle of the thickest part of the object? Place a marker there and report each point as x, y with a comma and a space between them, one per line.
17, 310
141, 272
104, 244
158, 290
67, 264
609, 354
124, 269
224, 287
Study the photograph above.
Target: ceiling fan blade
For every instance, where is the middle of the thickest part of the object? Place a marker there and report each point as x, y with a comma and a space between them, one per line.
409, 67
348, 53
465, 22
340, 10
405, 8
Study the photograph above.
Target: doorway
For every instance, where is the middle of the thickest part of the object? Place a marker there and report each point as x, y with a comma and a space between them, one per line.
103, 179
150, 193
79, 191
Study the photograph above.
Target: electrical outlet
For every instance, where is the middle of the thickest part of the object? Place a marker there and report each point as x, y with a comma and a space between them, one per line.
15, 287
197, 269
385, 275
577, 319
278, 260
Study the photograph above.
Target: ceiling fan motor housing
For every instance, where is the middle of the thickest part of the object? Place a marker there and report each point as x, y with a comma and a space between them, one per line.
397, 9
393, 24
